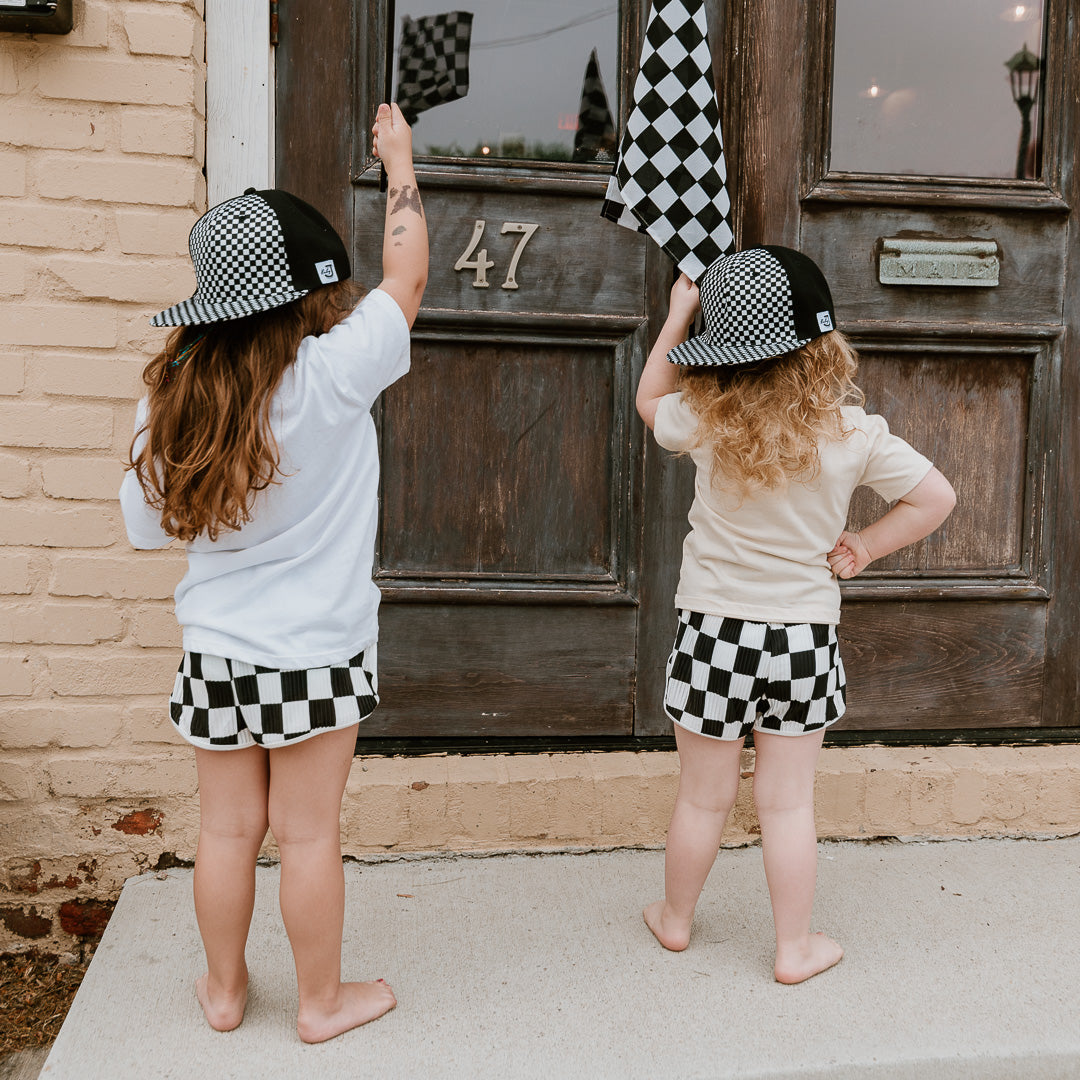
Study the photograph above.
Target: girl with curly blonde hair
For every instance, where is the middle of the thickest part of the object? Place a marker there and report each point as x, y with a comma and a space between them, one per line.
765, 404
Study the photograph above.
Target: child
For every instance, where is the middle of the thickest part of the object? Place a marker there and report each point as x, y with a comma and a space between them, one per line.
256, 447
764, 404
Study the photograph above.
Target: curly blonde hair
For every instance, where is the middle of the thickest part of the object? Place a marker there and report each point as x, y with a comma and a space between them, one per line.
764, 423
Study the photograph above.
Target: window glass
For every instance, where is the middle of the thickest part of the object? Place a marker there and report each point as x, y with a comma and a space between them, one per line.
517, 79
937, 88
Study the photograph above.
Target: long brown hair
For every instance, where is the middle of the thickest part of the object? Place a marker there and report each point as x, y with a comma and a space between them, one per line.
209, 446
764, 423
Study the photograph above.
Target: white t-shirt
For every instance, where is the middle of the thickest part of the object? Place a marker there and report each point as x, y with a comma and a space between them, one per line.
292, 588
765, 559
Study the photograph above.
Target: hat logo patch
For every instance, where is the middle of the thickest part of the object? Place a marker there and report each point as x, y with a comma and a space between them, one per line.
327, 272
824, 321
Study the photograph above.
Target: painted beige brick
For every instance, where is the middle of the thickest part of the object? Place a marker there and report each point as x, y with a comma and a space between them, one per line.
46, 225
154, 232
12, 173
532, 789
95, 671
14, 476
12, 374
53, 128
15, 573
840, 789
90, 325
129, 577
12, 274
426, 802
71, 427
19, 780
90, 376
576, 809
61, 624
81, 477
59, 724
159, 31
1057, 796
155, 627
619, 780
149, 723
91, 29
9, 80
66, 74
154, 282
119, 180
478, 800
375, 808
932, 792
46, 526
157, 131
89, 777
16, 676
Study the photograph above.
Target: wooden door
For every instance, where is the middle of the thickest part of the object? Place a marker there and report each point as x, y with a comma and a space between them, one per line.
516, 599
882, 139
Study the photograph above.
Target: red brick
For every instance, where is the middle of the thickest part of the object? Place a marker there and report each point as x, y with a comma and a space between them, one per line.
56, 426
138, 822
42, 225
85, 918
58, 623
63, 73
149, 576
26, 923
46, 526
89, 325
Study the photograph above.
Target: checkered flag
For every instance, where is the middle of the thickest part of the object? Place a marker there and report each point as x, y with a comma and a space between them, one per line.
670, 177
433, 61
595, 138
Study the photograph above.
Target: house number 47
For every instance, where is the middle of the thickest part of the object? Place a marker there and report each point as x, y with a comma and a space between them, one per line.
471, 259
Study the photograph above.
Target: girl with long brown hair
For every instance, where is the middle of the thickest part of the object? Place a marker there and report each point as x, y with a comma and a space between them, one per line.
765, 404
255, 446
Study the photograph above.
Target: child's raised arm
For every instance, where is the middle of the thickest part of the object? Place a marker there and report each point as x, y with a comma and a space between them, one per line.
405, 238
915, 515
659, 377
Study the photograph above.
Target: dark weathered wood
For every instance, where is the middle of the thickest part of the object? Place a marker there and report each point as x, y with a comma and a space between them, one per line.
315, 102
943, 665
478, 670
967, 412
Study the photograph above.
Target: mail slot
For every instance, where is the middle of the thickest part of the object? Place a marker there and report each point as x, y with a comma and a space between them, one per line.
44, 17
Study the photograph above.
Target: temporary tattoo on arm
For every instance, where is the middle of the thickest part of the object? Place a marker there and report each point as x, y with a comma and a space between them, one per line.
399, 230
408, 198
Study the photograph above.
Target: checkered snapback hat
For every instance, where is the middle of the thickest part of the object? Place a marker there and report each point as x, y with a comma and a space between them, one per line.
257, 251
758, 303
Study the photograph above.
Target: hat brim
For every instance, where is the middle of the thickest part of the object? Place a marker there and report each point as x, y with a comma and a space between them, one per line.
196, 312
701, 352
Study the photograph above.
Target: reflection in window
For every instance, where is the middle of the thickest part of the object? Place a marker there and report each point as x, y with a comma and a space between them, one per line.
518, 80
937, 88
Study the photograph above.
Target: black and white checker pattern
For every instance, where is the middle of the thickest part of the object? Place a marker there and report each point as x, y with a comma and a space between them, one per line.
726, 677
433, 61
219, 703
670, 177
594, 139
749, 314
241, 265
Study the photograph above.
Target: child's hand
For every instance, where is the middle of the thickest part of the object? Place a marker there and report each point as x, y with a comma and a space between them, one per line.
392, 137
684, 301
850, 556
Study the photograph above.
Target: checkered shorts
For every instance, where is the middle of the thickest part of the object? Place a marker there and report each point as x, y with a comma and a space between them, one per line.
726, 677
222, 704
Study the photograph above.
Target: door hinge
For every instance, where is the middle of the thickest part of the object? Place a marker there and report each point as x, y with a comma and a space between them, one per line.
273, 22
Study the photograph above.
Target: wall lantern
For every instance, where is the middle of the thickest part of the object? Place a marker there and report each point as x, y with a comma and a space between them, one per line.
35, 16
1024, 69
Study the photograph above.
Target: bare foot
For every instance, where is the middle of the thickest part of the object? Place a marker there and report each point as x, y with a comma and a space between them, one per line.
671, 931
223, 1011
796, 965
357, 1003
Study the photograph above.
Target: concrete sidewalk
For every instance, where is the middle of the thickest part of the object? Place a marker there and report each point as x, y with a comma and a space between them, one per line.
963, 961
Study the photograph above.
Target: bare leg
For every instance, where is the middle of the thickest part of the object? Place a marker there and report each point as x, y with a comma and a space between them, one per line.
232, 801
708, 784
784, 796
306, 784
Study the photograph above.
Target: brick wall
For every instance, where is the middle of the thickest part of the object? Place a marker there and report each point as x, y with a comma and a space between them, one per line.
101, 154
101, 151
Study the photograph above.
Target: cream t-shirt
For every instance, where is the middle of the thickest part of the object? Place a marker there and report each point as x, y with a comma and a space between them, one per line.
764, 559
